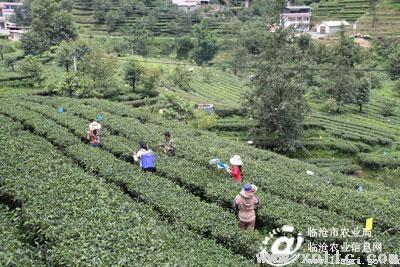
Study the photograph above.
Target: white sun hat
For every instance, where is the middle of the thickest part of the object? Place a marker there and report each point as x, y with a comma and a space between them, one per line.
235, 160
94, 126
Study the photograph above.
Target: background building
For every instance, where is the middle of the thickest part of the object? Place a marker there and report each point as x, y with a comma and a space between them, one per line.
297, 16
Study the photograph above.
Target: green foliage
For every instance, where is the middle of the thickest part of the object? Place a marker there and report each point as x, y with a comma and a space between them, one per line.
396, 87
97, 210
32, 67
101, 8
278, 103
390, 177
203, 120
380, 160
206, 75
183, 46
113, 19
206, 43
181, 78
75, 85
394, 65
34, 43
137, 39
22, 14
5, 48
133, 73
150, 79
388, 109
320, 194
277, 97
330, 105
347, 53
376, 79
67, 50
362, 95
174, 107
100, 67
342, 87
64, 55
14, 251
50, 25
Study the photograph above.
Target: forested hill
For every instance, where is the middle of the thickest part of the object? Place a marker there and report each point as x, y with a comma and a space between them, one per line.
380, 17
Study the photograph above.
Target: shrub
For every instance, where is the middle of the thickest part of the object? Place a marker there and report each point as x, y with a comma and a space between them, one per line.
388, 109
32, 67
330, 105
396, 87
181, 78
203, 120
378, 161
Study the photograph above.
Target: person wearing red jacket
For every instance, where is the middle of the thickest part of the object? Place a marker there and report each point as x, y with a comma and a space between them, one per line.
237, 170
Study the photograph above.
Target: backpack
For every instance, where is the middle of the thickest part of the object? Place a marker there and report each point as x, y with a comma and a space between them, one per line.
148, 160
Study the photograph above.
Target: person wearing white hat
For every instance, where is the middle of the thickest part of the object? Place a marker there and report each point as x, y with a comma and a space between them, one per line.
246, 202
237, 170
93, 134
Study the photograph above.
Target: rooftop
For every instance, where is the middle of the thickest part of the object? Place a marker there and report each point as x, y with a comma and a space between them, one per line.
335, 23
188, 2
297, 7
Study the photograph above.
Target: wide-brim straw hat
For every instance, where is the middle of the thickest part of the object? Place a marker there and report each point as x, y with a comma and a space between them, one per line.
235, 160
94, 126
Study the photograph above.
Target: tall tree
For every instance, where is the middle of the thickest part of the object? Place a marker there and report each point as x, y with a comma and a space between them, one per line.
342, 86
32, 67
100, 67
50, 25
22, 14
362, 96
133, 73
101, 8
69, 53
183, 45
277, 96
343, 83
206, 43
394, 65
278, 102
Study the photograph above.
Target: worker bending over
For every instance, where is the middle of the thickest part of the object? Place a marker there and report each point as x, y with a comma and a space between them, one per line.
145, 157
168, 146
93, 134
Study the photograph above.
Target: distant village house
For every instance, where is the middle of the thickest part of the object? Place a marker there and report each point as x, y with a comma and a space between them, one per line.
190, 5
7, 28
297, 16
327, 27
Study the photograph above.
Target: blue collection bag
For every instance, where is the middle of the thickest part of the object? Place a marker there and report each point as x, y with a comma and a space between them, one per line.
148, 160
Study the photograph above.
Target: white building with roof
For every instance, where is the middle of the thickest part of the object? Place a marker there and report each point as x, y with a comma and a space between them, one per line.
297, 16
7, 28
327, 27
190, 5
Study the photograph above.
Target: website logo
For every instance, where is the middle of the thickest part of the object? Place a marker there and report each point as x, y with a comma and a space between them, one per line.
280, 247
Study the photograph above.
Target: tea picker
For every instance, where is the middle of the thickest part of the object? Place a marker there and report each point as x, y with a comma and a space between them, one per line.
146, 157
237, 168
93, 134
